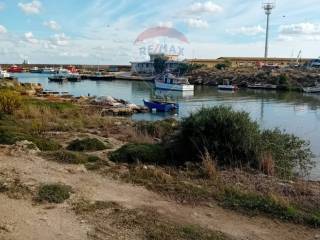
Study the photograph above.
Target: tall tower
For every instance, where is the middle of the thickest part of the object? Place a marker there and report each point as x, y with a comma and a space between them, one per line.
267, 6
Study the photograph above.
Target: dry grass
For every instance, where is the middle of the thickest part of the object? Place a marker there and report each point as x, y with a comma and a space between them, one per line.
267, 165
112, 221
209, 166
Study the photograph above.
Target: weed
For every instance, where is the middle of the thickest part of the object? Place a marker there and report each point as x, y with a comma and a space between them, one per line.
69, 157
144, 153
54, 193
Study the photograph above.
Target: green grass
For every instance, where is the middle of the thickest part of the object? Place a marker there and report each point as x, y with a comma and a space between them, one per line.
54, 193
144, 153
60, 106
255, 204
11, 135
87, 144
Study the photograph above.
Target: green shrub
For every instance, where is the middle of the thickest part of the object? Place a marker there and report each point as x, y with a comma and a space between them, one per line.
9, 101
87, 144
230, 137
144, 153
289, 153
54, 193
45, 144
69, 157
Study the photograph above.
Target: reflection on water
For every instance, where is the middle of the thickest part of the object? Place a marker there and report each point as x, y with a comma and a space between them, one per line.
294, 112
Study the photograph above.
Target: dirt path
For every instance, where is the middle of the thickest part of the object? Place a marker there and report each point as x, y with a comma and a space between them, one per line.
35, 222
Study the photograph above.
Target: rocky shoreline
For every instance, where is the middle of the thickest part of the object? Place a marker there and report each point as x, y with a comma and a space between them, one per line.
284, 79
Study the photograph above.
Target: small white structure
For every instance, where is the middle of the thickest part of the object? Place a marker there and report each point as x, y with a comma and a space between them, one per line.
147, 67
4, 74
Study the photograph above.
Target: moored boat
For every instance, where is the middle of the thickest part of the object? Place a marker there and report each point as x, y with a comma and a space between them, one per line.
262, 86
35, 70
168, 81
48, 70
160, 106
4, 74
226, 86
15, 69
314, 89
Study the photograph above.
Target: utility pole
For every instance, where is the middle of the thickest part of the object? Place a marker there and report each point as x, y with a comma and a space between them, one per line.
267, 6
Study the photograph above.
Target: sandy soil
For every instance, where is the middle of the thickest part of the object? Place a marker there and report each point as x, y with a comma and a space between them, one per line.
22, 219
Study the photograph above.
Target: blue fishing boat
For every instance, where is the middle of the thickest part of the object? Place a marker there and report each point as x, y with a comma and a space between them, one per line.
161, 106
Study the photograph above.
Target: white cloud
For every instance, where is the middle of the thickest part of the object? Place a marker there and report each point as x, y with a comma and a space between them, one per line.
33, 7
300, 29
2, 29
53, 25
60, 39
248, 31
30, 38
196, 23
168, 24
205, 7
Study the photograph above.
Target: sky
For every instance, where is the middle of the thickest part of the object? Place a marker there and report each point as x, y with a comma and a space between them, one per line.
104, 31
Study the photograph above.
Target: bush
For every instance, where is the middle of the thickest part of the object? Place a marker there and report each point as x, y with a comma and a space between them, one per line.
87, 144
234, 140
69, 157
144, 153
226, 64
288, 152
9, 101
54, 193
230, 137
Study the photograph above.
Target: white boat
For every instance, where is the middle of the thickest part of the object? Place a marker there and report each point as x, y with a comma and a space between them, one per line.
168, 81
4, 74
49, 70
262, 86
315, 89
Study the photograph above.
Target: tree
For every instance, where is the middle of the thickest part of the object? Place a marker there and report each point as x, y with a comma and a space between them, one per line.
160, 65
226, 64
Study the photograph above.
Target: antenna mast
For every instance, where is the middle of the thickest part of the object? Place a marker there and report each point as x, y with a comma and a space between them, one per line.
268, 6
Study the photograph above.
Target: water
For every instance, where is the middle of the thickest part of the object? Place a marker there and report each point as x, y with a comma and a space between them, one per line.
294, 112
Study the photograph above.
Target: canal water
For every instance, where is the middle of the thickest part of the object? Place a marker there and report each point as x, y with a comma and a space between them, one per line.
296, 113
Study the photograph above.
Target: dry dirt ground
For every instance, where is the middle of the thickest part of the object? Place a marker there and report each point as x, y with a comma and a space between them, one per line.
23, 219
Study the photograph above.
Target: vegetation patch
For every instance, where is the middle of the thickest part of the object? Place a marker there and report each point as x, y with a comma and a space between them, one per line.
144, 153
54, 193
69, 157
87, 144
159, 129
255, 204
10, 101
232, 139
146, 223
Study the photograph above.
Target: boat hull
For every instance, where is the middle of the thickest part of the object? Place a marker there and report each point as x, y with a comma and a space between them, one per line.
174, 87
161, 107
312, 90
227, 87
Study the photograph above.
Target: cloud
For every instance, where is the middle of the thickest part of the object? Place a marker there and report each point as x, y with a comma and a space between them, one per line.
3, 29
30, 38
205, 7
300, 29
53, 25
33, 7
248, 31
168, 24
60, 40
196, 23
304, 31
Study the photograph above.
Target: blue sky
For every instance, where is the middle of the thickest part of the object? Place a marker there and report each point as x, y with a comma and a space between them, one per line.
104, 31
